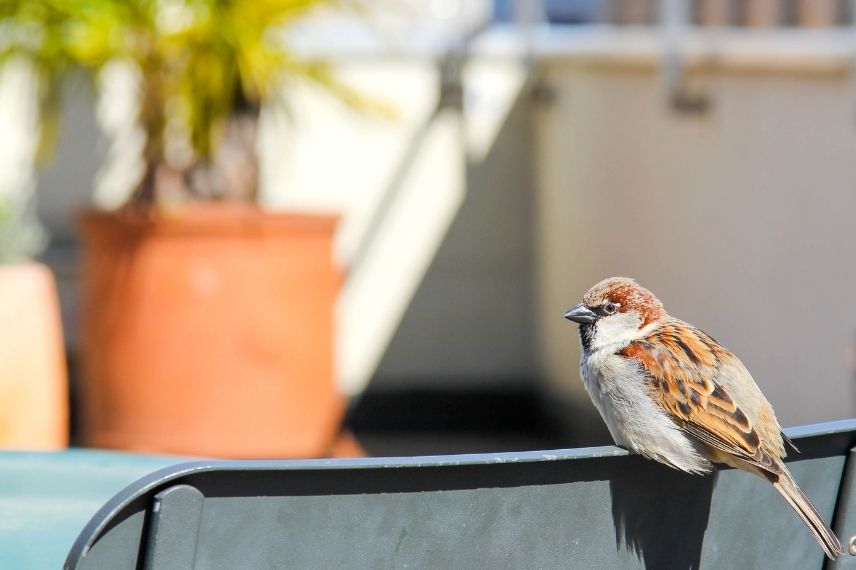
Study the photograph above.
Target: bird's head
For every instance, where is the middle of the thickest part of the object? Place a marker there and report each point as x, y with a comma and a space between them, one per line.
614, 311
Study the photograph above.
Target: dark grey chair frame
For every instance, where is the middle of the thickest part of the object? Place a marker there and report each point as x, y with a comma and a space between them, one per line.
577, 508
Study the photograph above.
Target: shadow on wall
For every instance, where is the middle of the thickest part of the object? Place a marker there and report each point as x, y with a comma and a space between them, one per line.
470, 321
468, 341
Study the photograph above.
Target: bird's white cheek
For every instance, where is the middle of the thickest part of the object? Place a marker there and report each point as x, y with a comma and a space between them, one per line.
616, 331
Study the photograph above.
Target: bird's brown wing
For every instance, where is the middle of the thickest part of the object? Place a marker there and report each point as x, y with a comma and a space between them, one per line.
681, 364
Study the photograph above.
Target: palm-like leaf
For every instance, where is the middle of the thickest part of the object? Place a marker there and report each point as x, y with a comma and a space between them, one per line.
200, 61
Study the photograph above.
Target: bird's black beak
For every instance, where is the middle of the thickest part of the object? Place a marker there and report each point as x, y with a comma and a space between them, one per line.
580, 314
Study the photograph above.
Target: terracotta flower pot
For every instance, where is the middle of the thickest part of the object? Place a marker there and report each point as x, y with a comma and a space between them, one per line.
209, 331
33, 382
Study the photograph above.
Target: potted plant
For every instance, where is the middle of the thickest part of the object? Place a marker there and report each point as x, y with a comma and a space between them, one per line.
33, 384
207, 322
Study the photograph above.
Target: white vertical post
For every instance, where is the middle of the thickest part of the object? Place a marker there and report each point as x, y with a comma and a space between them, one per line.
674, 22
674, 15
853, 59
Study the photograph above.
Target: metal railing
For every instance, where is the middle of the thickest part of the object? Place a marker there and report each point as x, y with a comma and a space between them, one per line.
573, 508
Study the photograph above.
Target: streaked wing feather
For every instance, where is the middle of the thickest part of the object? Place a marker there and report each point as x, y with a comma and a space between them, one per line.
680, 362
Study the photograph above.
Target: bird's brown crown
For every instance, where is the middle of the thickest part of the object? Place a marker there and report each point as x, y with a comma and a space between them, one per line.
629, 296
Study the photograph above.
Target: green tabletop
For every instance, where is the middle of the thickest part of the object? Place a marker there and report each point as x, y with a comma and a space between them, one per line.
47, 498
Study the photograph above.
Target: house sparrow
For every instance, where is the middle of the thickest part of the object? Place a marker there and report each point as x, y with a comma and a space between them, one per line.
668, 391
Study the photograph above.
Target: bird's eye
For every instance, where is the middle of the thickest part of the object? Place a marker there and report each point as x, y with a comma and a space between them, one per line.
610, 308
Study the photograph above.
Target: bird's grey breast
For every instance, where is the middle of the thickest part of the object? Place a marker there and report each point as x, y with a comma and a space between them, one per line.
617, 386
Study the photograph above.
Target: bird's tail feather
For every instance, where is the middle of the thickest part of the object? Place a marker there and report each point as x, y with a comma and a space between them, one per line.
808, 513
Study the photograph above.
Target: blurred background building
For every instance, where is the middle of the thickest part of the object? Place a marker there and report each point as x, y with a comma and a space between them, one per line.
707, 149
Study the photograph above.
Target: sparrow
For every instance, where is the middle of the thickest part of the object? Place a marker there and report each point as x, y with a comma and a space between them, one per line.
671, 393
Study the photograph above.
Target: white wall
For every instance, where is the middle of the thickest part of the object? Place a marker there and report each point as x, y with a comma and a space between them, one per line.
741, 220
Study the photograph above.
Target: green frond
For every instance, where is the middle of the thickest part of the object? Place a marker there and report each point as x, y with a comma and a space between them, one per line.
199, 61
